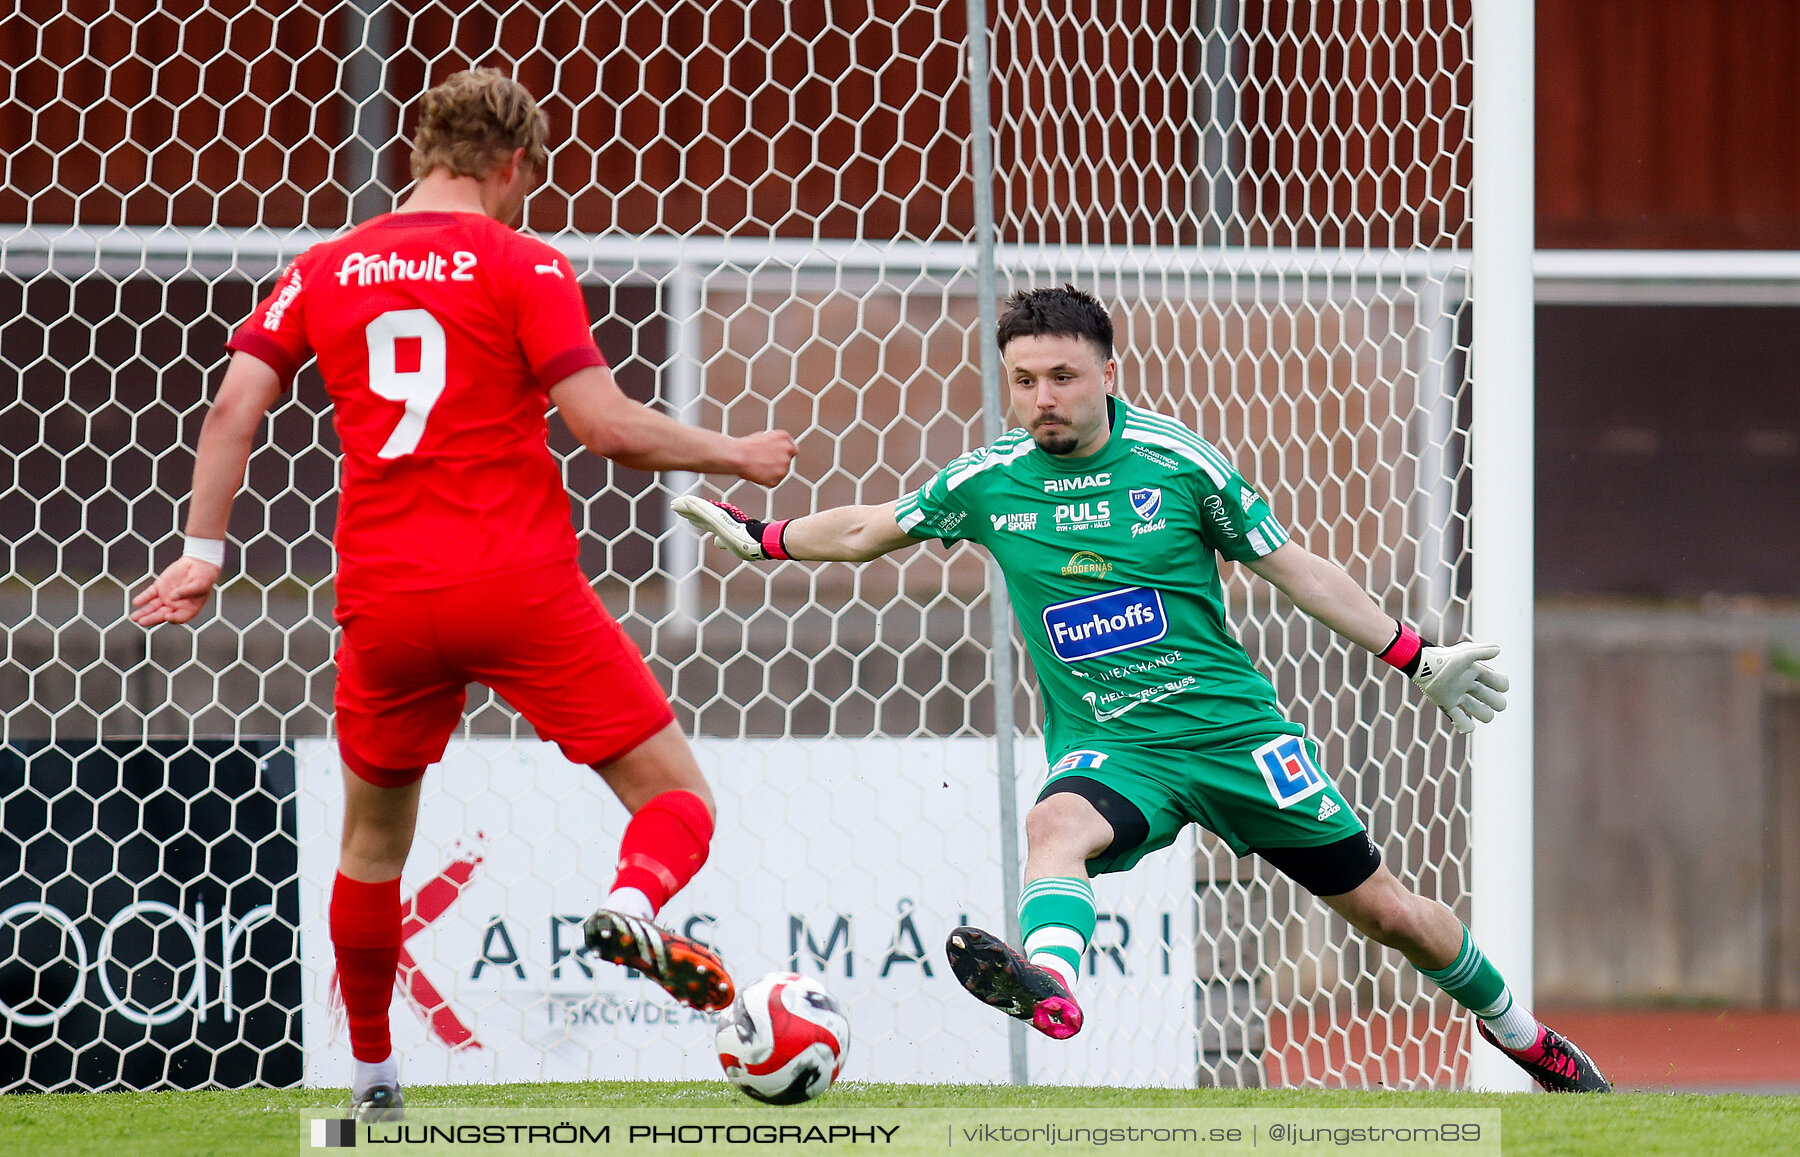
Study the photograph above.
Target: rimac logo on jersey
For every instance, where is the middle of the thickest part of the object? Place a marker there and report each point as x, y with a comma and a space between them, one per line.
1105, 624
1289, 771
1085, 482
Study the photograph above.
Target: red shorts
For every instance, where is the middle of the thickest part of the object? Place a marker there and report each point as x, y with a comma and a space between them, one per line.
541, 638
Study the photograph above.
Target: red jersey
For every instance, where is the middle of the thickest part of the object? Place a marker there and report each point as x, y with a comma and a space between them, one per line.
439, 336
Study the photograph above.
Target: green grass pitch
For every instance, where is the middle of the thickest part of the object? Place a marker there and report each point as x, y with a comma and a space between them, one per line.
247, 1122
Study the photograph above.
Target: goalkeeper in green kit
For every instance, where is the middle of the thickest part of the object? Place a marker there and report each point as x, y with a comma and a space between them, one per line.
1108, 521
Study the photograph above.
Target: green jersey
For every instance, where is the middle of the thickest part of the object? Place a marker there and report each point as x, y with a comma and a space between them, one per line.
1111, 561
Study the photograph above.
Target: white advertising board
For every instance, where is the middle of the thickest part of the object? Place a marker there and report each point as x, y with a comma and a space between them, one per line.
849, 860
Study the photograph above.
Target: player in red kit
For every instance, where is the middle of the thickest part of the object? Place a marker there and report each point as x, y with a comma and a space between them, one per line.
443, 336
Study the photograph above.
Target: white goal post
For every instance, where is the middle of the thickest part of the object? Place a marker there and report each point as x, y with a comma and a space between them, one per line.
1274, 200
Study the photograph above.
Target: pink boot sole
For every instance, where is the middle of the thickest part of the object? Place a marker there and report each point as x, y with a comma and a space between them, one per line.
1057, 1018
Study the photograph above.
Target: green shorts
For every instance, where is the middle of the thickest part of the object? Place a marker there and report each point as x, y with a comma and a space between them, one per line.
1262, 792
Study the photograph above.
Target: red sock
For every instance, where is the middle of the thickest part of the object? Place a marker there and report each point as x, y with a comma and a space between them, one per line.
664, 845
365, 930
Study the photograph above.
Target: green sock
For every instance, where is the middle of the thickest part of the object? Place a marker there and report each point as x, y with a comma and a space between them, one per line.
1056, 916
1473, 982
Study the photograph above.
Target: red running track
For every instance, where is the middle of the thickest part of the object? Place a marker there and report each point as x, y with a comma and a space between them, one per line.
1650, 1050
1675, 1050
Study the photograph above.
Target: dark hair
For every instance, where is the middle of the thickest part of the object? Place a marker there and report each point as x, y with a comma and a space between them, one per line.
1065, 312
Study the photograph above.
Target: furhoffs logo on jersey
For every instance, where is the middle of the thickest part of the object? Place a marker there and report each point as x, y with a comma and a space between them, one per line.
1105, 624
1147, 502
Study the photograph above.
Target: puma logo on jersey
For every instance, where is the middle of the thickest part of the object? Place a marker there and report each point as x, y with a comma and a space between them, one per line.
551, 267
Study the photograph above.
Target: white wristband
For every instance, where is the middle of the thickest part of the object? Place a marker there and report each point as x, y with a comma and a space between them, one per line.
205, 549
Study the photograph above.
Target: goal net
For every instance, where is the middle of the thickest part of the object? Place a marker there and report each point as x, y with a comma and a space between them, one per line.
772, 210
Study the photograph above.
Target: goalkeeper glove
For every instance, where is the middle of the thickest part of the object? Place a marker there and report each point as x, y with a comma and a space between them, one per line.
733, 530
1455, 678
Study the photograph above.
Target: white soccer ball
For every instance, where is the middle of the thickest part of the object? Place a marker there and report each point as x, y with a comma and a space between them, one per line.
784, 1039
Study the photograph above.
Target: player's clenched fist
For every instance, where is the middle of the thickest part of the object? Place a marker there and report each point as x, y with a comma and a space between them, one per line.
766, 456
1456, 679
733, 530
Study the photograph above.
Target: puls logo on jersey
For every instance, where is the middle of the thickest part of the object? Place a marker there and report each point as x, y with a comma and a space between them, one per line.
1085, 482
374, 269
1084, 516
1026, 521
1105, 623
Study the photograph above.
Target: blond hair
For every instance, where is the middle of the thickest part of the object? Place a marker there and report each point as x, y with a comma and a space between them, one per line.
473, 121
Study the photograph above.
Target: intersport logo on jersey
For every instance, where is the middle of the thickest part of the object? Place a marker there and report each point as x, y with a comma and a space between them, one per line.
1105, 624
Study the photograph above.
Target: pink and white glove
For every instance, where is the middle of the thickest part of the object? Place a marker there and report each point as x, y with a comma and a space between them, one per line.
749, 538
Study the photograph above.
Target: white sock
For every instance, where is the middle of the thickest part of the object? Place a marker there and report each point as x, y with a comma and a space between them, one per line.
1051, 962
630, 902
1514, 1027
366, 1075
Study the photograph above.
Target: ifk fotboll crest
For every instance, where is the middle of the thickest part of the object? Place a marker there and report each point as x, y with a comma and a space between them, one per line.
1147, 502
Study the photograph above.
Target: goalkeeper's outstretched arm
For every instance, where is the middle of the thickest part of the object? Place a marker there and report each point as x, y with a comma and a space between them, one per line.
1453, 677
841, 534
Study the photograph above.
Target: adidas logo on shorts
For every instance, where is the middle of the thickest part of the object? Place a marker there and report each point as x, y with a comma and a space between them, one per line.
1328, 808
